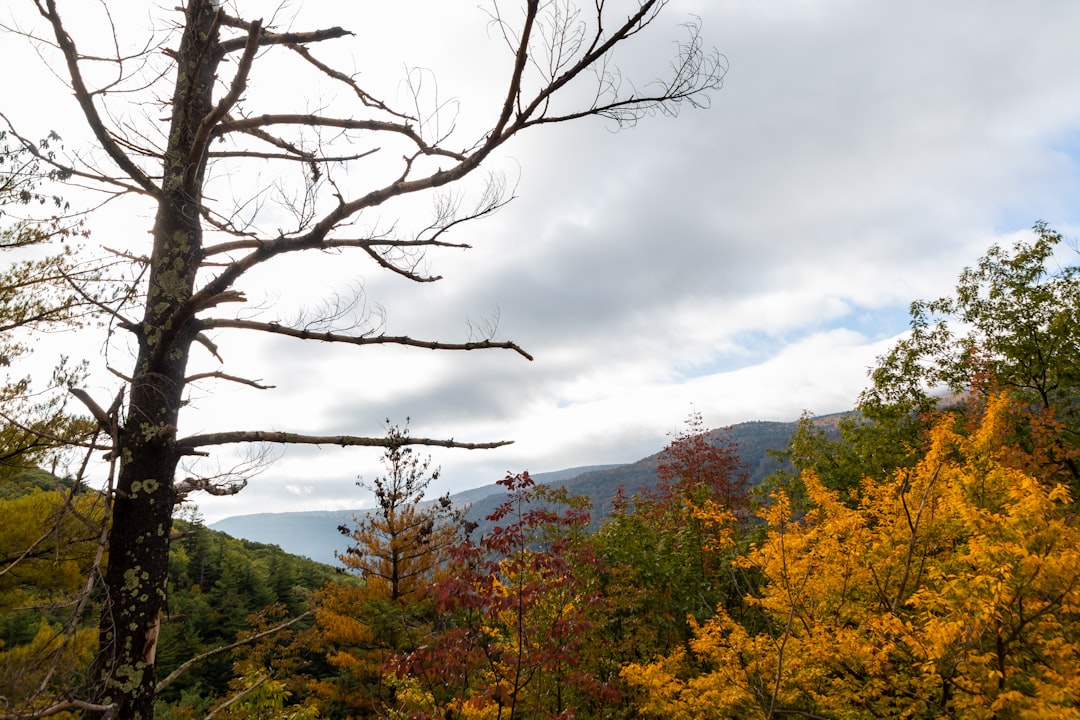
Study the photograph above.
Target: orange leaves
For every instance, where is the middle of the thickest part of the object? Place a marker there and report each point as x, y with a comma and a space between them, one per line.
952, 588
401, 544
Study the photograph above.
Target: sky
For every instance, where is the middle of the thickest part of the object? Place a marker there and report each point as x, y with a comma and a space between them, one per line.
747, 261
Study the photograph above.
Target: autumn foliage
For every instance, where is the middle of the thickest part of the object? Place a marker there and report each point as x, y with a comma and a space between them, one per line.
914, 561
399, 546
399, 551
700, 467
951, 590
947, 588
519, 607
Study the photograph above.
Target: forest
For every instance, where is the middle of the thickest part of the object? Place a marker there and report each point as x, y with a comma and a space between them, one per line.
917, 559
922, 560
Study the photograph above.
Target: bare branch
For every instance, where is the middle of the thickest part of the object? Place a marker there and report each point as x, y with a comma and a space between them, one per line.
137, 259
234, 437
266, 120
551, 47
288, 147
365, 98
121, 321
207, 485
217, 651
65, 706
86, 101
231, 378
70, 171
404, 272
316, 237
227, 296
237, 698
276, 329
694, 74
236, 89
333, 243
291, 157
521, 58
269, 38
209, 344
46, 439
96, 410
117, 373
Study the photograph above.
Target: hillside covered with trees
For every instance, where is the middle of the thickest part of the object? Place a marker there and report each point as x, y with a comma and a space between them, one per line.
313, 535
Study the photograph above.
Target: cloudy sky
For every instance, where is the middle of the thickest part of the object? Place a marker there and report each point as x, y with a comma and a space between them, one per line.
748, 261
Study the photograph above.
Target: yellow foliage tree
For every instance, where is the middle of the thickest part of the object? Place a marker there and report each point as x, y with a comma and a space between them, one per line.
48, 542
48, 545
952, 590
52, 658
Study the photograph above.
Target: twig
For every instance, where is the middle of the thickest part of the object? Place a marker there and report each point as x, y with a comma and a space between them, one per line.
239, 696
105, 710
231, 378
217, 651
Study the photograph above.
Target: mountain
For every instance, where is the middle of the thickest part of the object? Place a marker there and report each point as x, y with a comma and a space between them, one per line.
314, 534
754, 440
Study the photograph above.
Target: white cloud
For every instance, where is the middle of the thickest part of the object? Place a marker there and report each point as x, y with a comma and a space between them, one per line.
751, 260
300, 489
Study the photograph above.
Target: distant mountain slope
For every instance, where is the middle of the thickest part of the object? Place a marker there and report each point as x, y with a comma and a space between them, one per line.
314, 534
16, 481
754, 441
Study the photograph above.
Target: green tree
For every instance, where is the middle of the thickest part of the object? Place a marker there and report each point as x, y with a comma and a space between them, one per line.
204, 243
845, 450
23, 171
1013, 323
667, 550
49, 543
52, 527
35, 296
229, 626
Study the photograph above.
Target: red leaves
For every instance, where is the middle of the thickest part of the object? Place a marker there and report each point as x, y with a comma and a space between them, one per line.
696, 463
518, 606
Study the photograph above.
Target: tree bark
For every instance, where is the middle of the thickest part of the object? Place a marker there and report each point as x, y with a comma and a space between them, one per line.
135, 581
146, 448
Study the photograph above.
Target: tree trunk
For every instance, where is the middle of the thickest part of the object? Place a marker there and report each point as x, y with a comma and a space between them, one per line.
138, 560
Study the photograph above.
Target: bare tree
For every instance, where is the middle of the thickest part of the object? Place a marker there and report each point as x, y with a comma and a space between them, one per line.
196, 77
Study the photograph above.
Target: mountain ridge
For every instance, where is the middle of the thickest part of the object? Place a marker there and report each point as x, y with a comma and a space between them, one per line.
314, 533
